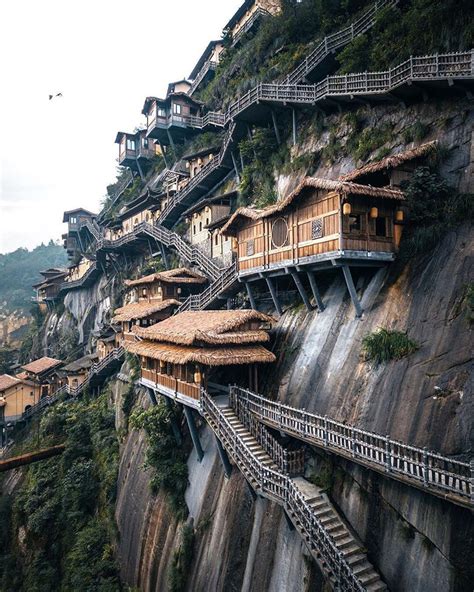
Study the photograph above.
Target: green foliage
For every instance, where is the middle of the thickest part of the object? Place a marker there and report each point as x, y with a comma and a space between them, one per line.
64, 507
7, 359
324, 476
434, 207
469, 300
383, 345
416, 132
420, 28
20, 269
181, 561
361, 144
168, 461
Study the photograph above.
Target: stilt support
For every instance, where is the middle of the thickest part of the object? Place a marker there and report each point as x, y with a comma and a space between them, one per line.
301, 289
276, 302
224, 458
174, 424
170, 138
163, 153
164, 256
152, 396
236, 168
250, 295
289, 523
352, 291
194, 433
293, 116
314, 289
140, 172
275, 127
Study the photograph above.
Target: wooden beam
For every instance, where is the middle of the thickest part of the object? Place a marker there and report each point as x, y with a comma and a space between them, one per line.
274, 295
163, 153
236, 168
250, 295
314, 289
30, 457
224, 458
301, 289
352, 291
293, 117
193, 431
275, 127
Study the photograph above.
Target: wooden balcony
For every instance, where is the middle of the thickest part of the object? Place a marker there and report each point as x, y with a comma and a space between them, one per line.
188, 393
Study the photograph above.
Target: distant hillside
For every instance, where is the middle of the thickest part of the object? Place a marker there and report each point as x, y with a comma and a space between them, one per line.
20, 269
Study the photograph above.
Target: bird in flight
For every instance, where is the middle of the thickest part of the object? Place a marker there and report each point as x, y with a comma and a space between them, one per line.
56, 95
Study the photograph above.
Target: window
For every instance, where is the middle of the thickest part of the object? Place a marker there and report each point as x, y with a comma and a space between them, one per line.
161, 112
279, 233
200, 226
381, 226
145, 143
250, 247
194, 228
73, 220
216, 240
177, 108
130, 144
207, 221
317, 228
355, 223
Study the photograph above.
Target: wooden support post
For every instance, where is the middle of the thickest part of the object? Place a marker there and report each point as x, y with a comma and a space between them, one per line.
275, 127
294, 126
224, 458
140, 172
170, 138
236, 168
152, 396
250, 295
352, 291
289, 523
314, 289
301, 289
194, 433
174, 424
276, 302
163, 153
164, 255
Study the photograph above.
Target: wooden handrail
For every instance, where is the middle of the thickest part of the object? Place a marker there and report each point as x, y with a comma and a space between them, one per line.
439, 474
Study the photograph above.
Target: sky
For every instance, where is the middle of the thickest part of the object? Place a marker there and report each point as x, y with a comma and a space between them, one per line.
105, 57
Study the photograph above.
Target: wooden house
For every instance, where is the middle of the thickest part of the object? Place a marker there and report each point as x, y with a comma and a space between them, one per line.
205, 67
48, 289
322, 224
43, 373
135, 150
107, 340
74, 243
16, 396
248, 16
156, 296
76, 372
198, 160
145, 208
392, 170
167, 119
81, 274
204, 221
194, 349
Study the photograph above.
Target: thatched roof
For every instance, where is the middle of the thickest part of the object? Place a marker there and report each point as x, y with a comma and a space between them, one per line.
41, 365
180, 275
213, 327
141, 310
391, 162
341, 187
83, 363
180, 354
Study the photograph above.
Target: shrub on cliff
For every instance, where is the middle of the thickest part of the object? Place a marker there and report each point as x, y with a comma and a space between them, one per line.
383, 345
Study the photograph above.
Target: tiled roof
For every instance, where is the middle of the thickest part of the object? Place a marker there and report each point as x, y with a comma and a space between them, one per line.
7, 381
41, 365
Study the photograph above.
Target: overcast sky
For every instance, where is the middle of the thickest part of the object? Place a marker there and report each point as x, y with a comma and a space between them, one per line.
105, 56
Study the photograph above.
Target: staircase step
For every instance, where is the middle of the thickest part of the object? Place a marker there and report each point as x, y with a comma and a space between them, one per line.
369, 578
376, 587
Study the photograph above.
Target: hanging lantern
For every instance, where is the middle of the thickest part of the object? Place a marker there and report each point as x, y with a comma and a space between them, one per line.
235, 244
207, 210
195, 215
187, 165
399, 215
197, 376
162, 366
211, 156
346, 208
178, 290
374, 212
186, 220
199, 161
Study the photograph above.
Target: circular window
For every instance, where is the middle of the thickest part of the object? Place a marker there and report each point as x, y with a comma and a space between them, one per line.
279, 233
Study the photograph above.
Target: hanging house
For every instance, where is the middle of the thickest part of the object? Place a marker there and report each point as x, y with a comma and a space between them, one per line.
48, 289
322, 224
392, 170
107, 340
194, 349
82, 274
248, 17
167, 119
135, 150
206, 66
76, 372
198, 160
155, 297
205, 220
73, 241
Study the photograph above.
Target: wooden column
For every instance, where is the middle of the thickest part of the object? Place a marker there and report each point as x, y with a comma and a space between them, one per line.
170, 138
140, 172
163, 153
250, 295
293, 117
301, 289
274, 295
194, 432
236, 168
275, 127
224, 458
174, 424
314, 289
163, 255
352, 291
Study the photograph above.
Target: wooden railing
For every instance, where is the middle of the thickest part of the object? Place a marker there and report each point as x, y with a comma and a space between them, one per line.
417, 466
176, 386
291, 462
209, 65
282, 489
66, 286
335, 41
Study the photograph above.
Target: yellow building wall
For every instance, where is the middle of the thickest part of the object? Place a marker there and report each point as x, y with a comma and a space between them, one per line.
79, 270
18, 398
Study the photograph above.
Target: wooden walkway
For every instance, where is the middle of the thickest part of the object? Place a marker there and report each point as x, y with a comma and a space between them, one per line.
341, 558
431, 472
